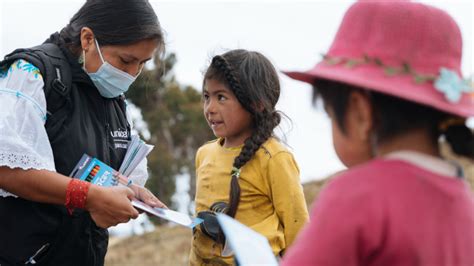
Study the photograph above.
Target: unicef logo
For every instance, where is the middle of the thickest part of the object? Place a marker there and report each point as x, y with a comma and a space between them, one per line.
123, 134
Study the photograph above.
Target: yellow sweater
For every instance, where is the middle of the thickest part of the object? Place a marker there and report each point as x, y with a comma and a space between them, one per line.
271, 202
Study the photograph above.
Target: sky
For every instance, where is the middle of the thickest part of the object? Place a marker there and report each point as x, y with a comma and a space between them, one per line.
292, 34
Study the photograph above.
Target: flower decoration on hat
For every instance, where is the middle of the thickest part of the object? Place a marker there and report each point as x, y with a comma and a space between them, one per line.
447, 82
451, 85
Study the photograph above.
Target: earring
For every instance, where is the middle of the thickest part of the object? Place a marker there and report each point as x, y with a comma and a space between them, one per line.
80, 60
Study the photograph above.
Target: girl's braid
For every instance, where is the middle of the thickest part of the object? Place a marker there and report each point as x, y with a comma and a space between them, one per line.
221, 64
264, 123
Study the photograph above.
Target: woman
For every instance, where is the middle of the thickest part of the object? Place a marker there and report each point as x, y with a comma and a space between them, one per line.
47, 217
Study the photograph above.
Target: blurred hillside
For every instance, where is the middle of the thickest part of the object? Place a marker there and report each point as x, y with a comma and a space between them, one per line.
170, 245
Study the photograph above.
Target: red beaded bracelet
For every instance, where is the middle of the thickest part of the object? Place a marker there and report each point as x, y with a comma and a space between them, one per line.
76, 194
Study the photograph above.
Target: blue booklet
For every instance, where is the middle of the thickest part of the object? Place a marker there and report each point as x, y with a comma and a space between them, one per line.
92, 170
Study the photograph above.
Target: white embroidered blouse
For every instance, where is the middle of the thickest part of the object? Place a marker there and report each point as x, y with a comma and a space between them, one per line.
24, 142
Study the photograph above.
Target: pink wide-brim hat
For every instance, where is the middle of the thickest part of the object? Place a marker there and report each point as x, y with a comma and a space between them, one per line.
391, 47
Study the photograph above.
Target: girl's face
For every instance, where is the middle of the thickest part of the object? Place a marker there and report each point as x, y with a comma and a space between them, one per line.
129, 58
225, 115
353, 145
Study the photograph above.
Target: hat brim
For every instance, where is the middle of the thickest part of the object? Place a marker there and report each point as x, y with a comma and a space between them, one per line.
374, 78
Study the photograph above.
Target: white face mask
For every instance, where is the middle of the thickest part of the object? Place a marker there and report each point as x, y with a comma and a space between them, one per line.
109, 80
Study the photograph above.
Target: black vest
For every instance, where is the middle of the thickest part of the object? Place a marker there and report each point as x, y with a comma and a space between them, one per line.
94, 125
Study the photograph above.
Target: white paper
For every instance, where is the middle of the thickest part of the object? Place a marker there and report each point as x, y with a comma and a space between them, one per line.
173, 216
250, 247
136, 152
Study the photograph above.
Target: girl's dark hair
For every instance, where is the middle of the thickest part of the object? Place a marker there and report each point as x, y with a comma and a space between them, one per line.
254, 81
114, 22
394, 116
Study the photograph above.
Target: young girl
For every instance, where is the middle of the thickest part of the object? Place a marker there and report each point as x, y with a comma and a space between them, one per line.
240, 91
391, 86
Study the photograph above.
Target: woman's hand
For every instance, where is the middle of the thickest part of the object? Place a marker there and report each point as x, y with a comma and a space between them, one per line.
147, 197
109, 206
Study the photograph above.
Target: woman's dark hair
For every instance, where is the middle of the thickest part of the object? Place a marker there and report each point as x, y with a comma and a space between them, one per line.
254, 81
394, 116
114, 22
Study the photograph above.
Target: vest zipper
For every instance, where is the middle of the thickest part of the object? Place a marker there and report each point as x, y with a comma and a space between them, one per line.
107, 132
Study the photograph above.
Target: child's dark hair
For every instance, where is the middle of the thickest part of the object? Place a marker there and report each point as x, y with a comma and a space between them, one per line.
114, 22
394, 116
254, 81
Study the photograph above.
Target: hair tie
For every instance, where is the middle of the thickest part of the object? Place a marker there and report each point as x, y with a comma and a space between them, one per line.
235, 172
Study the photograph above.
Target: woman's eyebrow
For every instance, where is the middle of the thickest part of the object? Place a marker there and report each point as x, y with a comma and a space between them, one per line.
132, 57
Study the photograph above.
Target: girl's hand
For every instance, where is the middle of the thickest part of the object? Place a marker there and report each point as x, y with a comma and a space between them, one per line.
109, 206
147, 197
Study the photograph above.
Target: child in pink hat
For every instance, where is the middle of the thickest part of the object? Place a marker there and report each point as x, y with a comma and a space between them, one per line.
391, 84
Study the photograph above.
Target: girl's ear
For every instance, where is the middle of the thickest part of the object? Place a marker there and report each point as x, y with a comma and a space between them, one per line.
360, 111
355, 147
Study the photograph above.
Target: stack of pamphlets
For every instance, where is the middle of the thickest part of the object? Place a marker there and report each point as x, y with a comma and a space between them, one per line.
96, 172
136, 152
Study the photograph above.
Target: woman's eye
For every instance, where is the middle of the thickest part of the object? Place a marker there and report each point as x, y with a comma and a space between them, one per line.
205, 97
124, 61
221, 97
